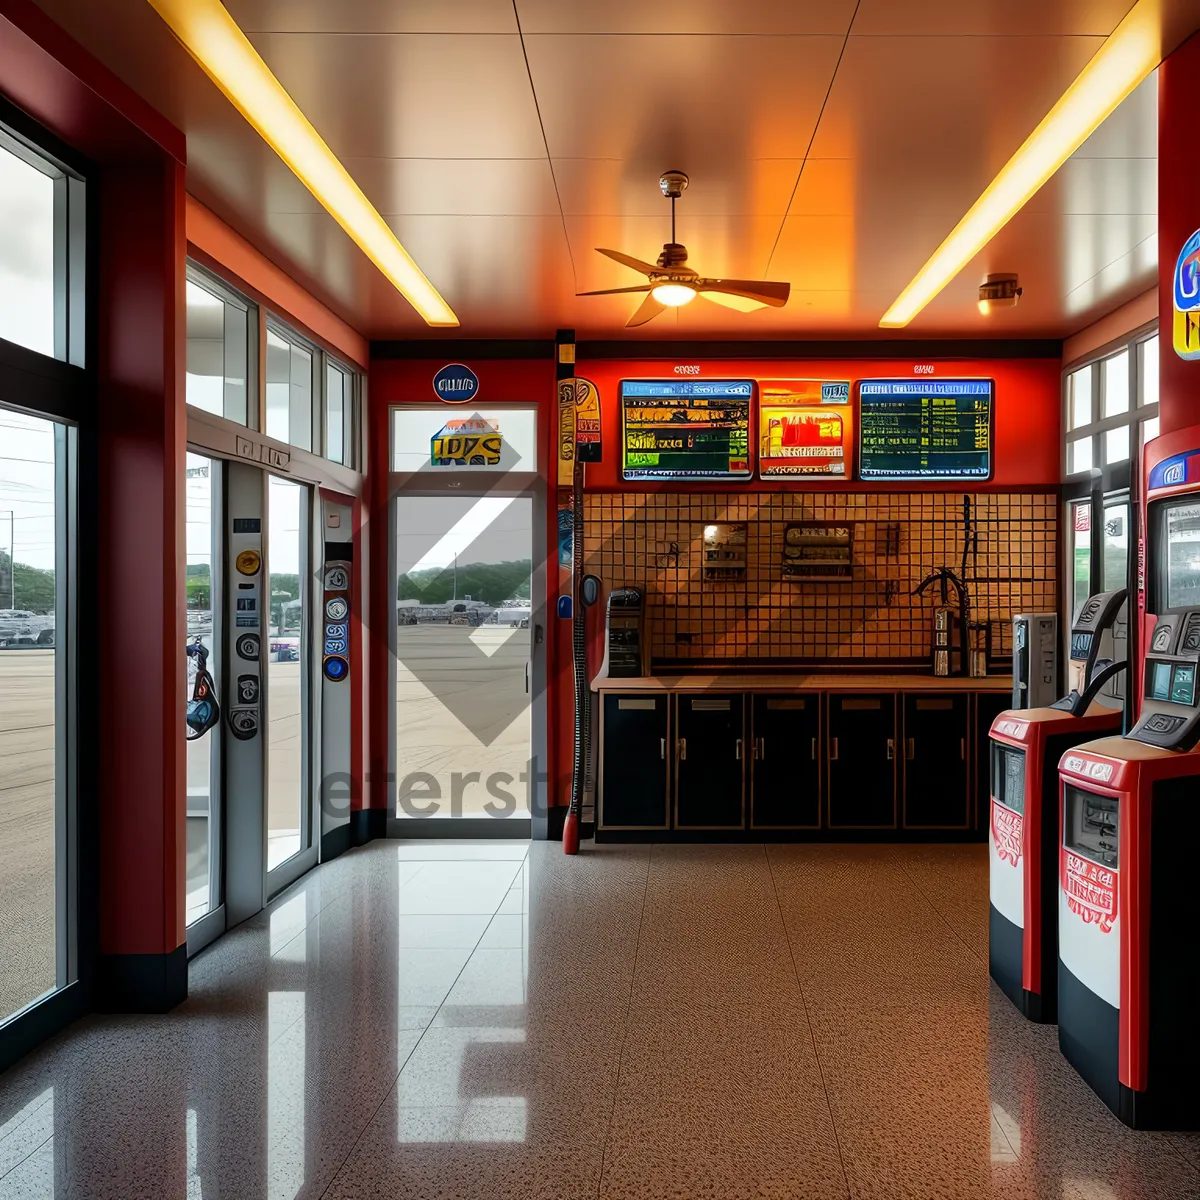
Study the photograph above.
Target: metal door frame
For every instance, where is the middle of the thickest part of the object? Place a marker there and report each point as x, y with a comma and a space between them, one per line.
466, 482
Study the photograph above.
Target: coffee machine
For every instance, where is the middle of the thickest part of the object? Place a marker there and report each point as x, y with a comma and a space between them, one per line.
949, 623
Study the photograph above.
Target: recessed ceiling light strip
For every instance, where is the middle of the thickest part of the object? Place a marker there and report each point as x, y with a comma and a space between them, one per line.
1125, 59
212, 37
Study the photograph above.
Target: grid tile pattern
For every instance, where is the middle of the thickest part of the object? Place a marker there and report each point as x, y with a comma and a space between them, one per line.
655, 541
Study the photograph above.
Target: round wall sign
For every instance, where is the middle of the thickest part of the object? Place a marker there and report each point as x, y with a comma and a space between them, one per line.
248, 562
456, 384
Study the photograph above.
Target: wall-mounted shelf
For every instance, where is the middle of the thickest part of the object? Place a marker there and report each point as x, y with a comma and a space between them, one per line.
818, 552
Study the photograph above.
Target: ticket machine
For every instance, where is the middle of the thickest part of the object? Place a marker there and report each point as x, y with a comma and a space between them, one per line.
1026, 745
1129, 971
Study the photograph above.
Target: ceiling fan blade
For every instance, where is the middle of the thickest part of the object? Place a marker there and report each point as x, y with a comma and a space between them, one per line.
647, 311
728, 300
628, 260
645, 287
763, 290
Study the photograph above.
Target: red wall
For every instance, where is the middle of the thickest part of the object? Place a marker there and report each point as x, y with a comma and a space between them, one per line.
1026, 455
1027, 417
1178, 219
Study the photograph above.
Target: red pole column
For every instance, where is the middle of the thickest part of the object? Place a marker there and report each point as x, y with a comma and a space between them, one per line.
133, 661
1178, 219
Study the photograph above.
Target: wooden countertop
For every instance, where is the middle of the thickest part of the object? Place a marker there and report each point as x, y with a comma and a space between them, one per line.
799, 681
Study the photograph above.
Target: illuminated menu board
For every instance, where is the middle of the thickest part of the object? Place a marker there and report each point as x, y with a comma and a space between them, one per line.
925, 429
804, 428
686, 428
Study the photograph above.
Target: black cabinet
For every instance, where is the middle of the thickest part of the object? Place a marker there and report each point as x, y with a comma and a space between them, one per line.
709, 761
937, 792
988, 706
862, 761
785, 762
633, 763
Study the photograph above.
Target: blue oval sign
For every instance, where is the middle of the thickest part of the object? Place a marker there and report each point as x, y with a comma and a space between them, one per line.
456, 383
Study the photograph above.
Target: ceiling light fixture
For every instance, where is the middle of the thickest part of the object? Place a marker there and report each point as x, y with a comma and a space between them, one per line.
212, 37
673, 295
1125, 59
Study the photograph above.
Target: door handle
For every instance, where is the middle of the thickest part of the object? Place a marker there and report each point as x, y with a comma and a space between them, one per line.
833, 749
662, 749
527, 677
683, 749
814, 749
762, 748
962, 749
891, 749
737, 749
912, 749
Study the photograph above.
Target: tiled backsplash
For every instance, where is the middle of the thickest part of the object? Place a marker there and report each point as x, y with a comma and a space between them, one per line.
656, 541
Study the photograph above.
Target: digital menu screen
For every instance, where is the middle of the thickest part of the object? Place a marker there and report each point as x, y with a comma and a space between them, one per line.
804, 428
925, 429
686, 428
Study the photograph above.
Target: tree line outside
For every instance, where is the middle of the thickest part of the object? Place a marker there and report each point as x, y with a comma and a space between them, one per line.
23, 587
493, 583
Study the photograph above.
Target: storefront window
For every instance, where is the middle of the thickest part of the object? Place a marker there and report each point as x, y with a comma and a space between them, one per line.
26, 251
1081, 554
289, 391
218, 349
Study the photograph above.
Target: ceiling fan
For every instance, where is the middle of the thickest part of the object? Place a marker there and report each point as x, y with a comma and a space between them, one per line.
673, 283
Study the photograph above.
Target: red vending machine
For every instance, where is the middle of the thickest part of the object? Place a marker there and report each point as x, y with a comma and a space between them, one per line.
1129, 971
1023, 850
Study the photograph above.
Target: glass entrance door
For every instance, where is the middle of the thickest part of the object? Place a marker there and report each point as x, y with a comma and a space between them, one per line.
202, 490
288, 686
35, 884
464, 647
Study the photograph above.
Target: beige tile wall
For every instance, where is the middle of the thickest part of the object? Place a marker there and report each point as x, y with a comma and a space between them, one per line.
654, 541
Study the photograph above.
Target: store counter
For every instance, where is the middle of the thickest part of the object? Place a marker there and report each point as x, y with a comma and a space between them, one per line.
795, 757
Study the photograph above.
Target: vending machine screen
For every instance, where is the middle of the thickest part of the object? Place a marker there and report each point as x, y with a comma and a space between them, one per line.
1081, 644
1183, 684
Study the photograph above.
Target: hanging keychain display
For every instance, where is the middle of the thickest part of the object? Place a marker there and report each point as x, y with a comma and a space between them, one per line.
203, 711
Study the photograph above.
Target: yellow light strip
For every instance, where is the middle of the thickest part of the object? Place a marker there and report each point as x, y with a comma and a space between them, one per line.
212, 37
1128, 55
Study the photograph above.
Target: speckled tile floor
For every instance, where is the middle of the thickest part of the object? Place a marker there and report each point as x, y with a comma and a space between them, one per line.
496, 1020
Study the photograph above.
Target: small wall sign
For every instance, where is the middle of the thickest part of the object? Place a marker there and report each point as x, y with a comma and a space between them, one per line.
456, 384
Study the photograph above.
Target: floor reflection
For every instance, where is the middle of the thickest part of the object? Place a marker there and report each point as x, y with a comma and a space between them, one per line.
461, 1020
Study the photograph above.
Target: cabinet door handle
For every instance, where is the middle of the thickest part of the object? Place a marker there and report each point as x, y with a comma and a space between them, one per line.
833, 753
762, 748
814, 749
912, 749
737, 749
682, 749
962, 749
662, 749
891, 749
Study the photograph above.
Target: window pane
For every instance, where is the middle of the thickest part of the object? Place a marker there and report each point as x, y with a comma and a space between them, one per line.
335, 414
237, 355
28, 731
286, 745
1116, 445
1148, 376
279, 387
1081, 544
1115, 546
1116, 384
301, 410
1149, 429
1079, 396
1079, 455
26, 254
205, 350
